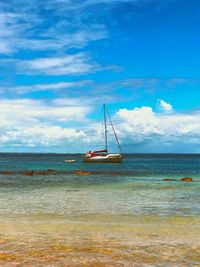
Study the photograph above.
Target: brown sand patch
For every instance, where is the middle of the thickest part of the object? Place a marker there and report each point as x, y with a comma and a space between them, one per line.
9, 257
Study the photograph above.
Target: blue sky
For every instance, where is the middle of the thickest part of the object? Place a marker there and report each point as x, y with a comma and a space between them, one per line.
60, 60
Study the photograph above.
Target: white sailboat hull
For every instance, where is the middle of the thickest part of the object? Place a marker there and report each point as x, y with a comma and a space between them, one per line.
109, 158
103, 156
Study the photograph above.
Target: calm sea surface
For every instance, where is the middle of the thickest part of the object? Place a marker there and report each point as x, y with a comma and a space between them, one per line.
119, 215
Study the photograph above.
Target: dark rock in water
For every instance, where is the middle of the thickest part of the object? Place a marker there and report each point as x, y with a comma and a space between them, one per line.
29, 173
6, 172
168, 179
50, 170
42, 172
82, 172
187, 179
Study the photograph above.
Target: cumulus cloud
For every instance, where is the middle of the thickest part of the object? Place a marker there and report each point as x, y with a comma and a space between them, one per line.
38, 124
41, 136
143, 125
31, 112
34, 123
164, 106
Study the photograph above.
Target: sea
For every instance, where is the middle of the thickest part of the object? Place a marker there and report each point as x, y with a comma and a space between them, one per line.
137, 213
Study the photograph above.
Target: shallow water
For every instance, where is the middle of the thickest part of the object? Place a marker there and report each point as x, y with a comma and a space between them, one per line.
119, 215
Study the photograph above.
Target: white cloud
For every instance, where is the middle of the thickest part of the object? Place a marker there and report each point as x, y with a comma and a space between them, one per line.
142, 125
95, 2
31, 123
8, 31
15, 30
34, 123
41, 136
26, 112
54, 41
88, 3
79, 63
23, 28
164, 106
48, 87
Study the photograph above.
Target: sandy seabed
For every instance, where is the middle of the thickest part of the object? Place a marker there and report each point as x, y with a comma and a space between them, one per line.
99, 240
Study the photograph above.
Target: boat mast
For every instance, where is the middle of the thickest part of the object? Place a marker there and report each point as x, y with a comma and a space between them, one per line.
106, 111
105, 127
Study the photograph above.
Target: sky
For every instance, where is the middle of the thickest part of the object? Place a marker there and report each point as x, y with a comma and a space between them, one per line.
61, 60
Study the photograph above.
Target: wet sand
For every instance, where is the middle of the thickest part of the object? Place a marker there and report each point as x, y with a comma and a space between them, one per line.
99, 240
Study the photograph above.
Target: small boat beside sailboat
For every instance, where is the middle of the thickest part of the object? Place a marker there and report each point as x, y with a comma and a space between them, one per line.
103, 156
70, 160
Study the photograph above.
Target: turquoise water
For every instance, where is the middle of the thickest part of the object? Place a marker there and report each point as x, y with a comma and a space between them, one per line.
136, 186
115, 215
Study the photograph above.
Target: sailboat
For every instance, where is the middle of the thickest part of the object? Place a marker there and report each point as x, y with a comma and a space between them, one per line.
103, 156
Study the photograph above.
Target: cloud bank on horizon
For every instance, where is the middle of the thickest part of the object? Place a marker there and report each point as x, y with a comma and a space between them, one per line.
62, 59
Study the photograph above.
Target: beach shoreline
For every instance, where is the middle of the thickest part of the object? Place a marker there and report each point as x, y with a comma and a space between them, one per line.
99, 240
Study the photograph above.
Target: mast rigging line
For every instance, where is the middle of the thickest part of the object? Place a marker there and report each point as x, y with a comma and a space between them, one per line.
105, 128
106, 112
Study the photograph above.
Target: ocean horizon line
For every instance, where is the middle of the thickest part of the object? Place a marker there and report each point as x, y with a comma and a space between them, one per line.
82, 153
